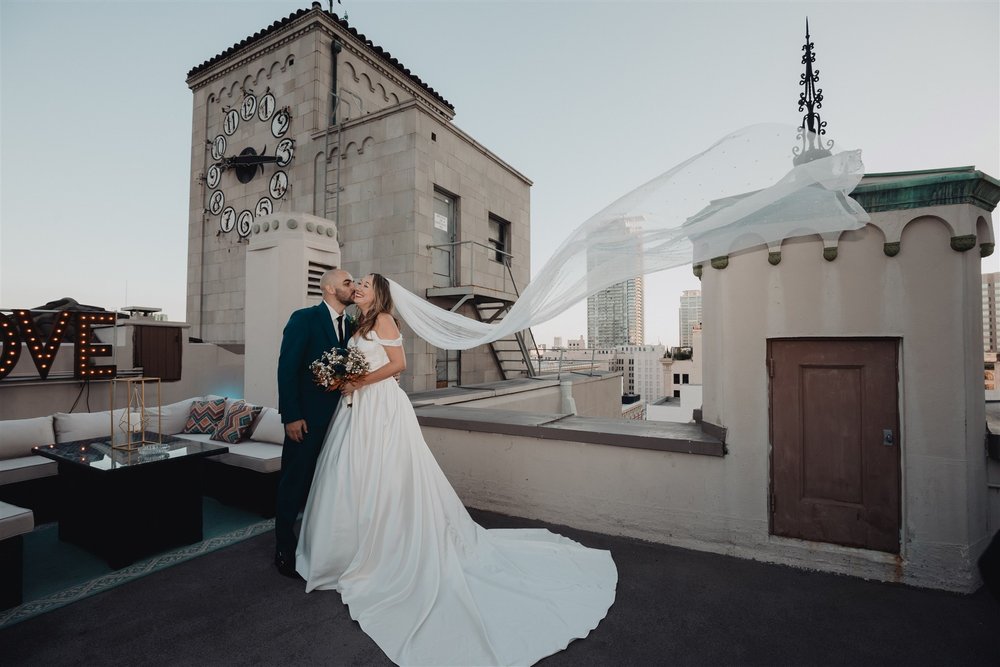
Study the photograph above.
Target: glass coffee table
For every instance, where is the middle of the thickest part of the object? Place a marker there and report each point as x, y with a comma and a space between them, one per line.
127, 504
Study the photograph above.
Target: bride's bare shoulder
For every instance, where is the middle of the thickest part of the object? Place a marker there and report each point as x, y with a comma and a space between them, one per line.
385, 327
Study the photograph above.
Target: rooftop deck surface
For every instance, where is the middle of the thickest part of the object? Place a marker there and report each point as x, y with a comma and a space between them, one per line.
673, 607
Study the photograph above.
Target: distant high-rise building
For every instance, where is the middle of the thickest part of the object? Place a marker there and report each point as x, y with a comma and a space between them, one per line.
615, 315
991, 303
690, 315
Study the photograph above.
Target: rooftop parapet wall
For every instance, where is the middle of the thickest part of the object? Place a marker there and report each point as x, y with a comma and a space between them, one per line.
893, 191
962, 198
911, 276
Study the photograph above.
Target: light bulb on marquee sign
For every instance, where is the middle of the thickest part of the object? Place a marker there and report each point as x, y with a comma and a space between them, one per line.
20, 327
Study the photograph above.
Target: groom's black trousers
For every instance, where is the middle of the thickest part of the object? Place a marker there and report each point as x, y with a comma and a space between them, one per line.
298, 463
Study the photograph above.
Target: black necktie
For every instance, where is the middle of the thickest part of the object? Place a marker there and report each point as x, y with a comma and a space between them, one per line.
340, 328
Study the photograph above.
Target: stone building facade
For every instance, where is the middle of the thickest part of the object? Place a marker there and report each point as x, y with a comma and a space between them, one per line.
374, 154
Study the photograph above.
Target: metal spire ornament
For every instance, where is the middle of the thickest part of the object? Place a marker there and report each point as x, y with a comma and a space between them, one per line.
813, 127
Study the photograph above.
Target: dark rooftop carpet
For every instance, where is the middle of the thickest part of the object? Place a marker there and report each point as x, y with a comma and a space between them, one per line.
674, 607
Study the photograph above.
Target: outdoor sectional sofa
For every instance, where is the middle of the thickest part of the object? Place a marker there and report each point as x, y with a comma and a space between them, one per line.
247, 475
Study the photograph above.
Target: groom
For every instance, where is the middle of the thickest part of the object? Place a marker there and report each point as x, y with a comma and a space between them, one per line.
306, 409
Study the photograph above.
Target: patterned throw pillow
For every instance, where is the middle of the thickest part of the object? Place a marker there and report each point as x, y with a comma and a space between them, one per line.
235, 427
205, 416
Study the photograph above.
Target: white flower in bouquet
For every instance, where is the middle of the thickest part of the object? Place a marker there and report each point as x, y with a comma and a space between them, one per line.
339, 366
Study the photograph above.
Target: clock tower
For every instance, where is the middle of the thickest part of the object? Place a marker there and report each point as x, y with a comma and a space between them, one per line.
314, 148
256, 107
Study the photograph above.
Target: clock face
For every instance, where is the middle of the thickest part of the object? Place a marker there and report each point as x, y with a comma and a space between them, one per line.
218, 147
228, 219
248, 108
283, 151
278, 185
266, 107
216, 202
243, 223
246, 179
232, 122
213, 176
264, 207
280, 123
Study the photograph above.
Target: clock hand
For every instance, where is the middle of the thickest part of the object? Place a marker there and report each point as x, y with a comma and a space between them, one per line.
247, 160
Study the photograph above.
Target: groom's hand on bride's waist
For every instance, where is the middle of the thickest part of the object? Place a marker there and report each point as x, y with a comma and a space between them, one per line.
296, 430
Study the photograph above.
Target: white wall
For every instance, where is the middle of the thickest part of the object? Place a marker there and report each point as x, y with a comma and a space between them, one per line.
277, 266
681, 410
696, 502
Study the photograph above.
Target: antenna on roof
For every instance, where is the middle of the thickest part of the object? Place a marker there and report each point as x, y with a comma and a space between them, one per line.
330, 5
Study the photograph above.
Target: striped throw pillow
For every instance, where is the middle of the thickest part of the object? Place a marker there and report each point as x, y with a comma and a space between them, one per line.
205, 416
235, 427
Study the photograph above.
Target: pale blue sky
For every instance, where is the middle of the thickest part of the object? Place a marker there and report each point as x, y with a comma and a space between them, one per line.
588, 99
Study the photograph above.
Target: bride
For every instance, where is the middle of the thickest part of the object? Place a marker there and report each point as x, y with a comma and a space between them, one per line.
383, 526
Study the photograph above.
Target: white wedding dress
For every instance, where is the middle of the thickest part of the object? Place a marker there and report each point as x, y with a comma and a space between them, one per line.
383, 526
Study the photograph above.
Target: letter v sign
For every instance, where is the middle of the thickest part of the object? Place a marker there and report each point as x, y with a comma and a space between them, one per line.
42, 352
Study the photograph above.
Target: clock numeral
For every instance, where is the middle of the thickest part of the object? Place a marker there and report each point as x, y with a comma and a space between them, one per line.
218, 147
280, 123
228, 219
243, 224
213, 176
284, 152
278, 185
248, 108
264, 207
216, 202
232, 122
265, 109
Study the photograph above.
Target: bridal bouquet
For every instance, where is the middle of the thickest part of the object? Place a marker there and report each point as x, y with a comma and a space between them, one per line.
339, 366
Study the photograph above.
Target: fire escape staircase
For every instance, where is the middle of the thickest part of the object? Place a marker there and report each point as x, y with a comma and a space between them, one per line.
517, 354
513, 353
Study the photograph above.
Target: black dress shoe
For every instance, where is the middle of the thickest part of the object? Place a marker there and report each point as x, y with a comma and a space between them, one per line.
286, 565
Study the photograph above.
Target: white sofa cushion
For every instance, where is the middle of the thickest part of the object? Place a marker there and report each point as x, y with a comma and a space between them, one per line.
250, 454
24, 468
74, 426
259, 456
15, 520
172, 416
18, 436
269, 428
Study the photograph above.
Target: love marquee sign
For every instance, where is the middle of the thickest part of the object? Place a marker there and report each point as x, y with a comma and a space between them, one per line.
19, 328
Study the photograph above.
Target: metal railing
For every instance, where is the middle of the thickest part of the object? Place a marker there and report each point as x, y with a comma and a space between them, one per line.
570, 365
456, 266
525, 339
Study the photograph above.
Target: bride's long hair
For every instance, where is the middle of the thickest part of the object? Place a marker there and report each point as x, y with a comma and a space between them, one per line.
381, 303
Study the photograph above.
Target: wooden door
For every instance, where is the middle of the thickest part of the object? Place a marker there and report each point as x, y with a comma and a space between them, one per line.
835, 466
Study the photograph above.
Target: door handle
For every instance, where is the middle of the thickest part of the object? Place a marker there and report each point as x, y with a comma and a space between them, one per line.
887, 438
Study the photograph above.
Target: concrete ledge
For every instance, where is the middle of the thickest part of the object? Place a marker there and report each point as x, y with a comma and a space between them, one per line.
476, 392
660, 436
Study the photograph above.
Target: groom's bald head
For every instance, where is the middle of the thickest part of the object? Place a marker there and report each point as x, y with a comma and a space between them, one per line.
337, 285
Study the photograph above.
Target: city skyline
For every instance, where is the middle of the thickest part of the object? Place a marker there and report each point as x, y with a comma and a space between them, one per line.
110, 223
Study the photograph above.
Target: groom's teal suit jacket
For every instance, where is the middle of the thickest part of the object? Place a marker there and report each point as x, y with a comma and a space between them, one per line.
308, 334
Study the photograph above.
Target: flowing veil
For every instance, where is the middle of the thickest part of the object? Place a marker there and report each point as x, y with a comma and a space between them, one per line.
743, 191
